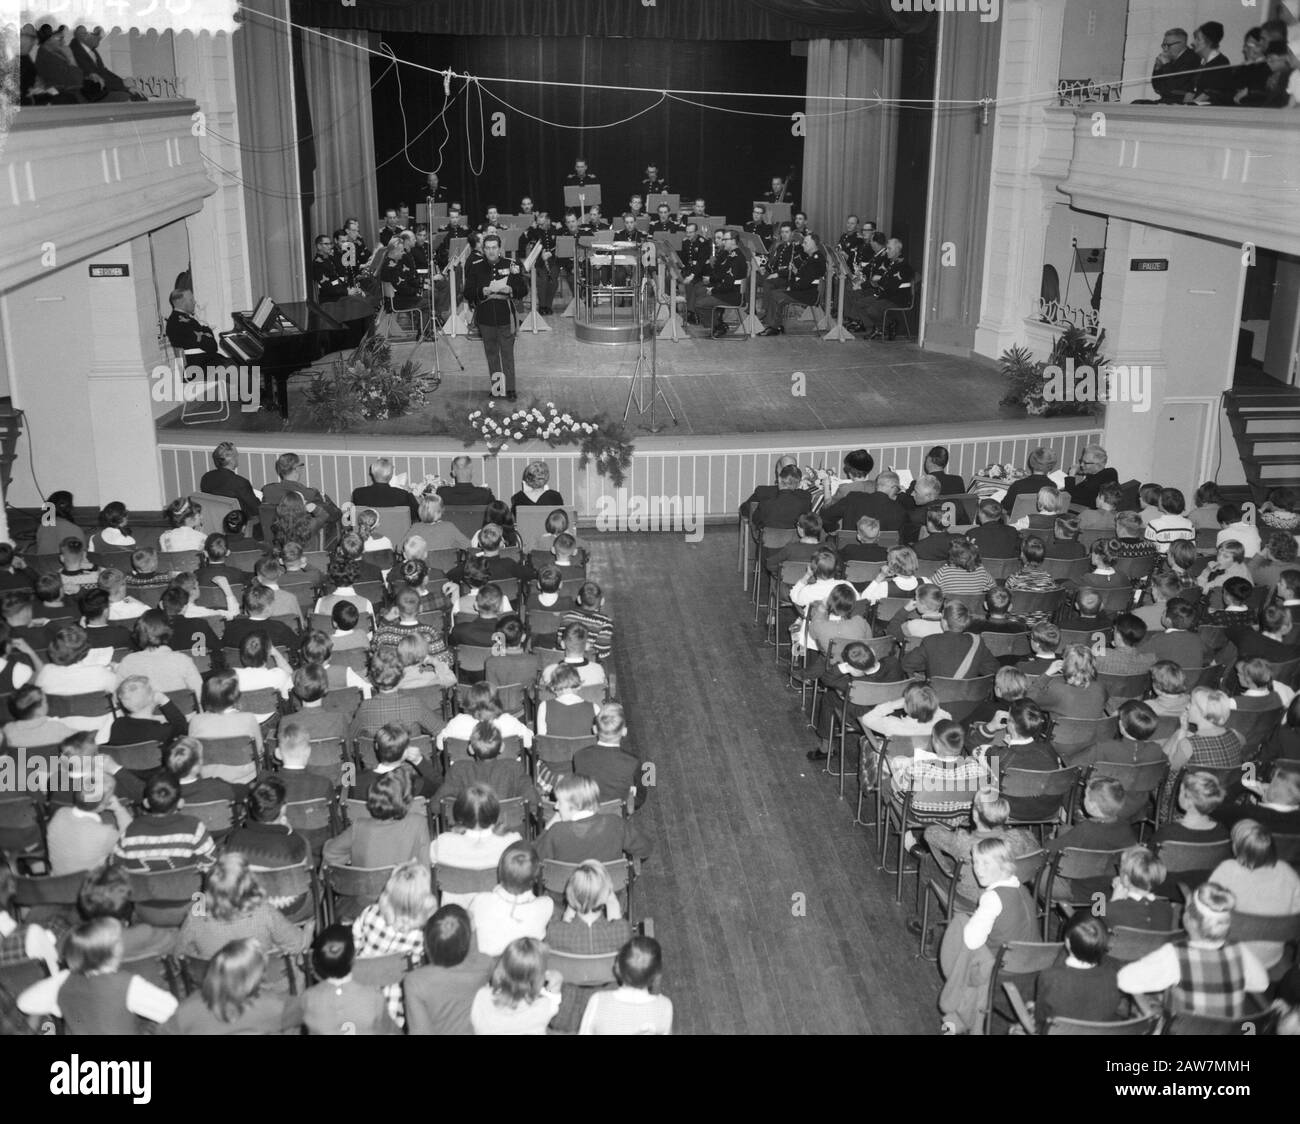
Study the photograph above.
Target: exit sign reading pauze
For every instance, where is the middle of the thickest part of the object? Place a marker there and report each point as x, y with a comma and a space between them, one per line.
110, 271
1148, 265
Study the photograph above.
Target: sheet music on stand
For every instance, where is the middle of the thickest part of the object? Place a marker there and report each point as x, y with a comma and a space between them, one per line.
564, 246
777, 213
533, 255
586, 196
673, 200
838, 259
459, 249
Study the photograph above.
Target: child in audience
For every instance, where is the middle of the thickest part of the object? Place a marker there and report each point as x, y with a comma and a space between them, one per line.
1102, 830
302, 781
1263, 885
1149, 503
1086, 614
948, 845
367, 527
395, 924
318, 648
51, 605
580, 832
1169, 688
404, 619
590, 674
1130, 536
185, 518
92, 995
1133, 902
348, 634
336, 1004
1065, 542
1212, 745
557, 523
568, 714
914, 718
635, 1006
121, 606
439, 996
311, 685
1205, 974
262, 668
568, 560
1102, 517
482, 704
1232, 526
498, 514
144, 578
1199, 797
1170, 525
507, 777
476, 840
923, 617
897, 578
1229, 562
1204, 516
1236, 612
1082, 985
511, 910
523, 995
1005, 913
32, 724
867, 548
77, 572
342, 577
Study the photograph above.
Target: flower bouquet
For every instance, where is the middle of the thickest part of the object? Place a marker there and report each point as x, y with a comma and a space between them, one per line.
599, 439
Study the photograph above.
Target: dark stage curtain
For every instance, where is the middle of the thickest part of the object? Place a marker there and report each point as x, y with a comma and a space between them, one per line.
689, 20
726, 157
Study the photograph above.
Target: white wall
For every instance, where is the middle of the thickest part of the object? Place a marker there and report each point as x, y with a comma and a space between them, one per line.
1092, 40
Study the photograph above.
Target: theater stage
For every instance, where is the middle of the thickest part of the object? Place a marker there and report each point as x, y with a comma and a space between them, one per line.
740, 404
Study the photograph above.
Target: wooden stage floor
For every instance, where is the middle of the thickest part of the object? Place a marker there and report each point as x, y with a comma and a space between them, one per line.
765, 896
795, 382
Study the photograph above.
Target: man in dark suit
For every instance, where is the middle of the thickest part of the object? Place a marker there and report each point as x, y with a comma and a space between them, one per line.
725, 284
608, 762
1173, 75
289, 468
791, 501
763, 492
380, 493
1092, 475
492, 285
937, 543
464, 492
936, 464
223, 480
804, 287
944, 654
85, 50
882, 505
993, 537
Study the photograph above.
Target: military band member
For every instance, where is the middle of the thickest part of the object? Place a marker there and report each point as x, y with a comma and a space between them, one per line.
392, 227
326, 271
493, 285
800, 225
696, 253
852, 241
759, 225
804, 287
492, 219
548, 271
581, 175
653, 183
889, 285
186, 333
637, 206
664, 222
432, 190
526, 205
726, 277
353, 228
781, 264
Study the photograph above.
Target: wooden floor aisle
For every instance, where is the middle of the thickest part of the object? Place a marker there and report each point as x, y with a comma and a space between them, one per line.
743, 824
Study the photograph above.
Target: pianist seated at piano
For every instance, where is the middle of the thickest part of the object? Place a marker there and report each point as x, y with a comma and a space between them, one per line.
195, 339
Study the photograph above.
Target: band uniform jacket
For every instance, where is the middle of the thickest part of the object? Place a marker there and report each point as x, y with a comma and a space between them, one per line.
575, 180
669, 227
695, 255
331, 281
401, 275
728, 273
762, 229
654, 187
438, 196
805, 284
188, 334
495, 310
893, 281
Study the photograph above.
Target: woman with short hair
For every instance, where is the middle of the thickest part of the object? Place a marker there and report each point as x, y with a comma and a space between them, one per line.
535, 491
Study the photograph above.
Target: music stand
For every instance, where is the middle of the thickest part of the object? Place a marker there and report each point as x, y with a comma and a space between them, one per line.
750, 245
533, 322
839, 263
456, 324
584, 196
566, 247
673, 200
671, 263
777, 213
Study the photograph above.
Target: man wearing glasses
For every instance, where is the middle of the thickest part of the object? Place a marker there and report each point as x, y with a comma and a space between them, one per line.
1092, 476
1174, 73
726, 278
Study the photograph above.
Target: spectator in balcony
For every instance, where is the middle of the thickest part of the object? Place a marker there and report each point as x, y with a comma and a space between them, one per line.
33, 88
1172, 75
1251, 77
1274, 94
85, 49
1215, 79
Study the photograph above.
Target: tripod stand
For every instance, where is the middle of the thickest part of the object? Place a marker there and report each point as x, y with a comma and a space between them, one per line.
638, 391
432, 334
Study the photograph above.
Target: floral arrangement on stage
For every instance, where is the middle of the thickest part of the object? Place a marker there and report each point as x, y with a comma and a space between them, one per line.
600, 439
367, 387
1028, 377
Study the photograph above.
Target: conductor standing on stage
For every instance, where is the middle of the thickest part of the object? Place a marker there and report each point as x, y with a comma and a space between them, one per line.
493, 284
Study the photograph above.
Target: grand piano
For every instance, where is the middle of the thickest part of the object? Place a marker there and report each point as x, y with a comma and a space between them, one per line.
281, 339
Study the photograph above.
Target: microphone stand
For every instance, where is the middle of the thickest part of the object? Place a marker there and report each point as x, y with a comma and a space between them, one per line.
637, 390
